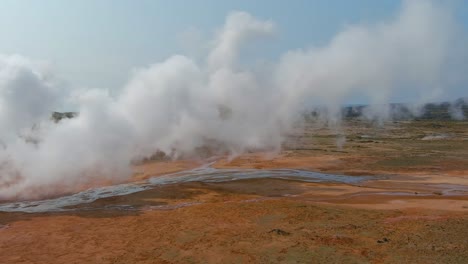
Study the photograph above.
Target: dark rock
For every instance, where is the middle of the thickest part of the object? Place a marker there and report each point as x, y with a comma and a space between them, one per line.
57, 116
384, 240
279, 232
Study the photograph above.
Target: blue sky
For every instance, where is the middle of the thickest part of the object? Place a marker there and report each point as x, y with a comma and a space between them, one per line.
98, 43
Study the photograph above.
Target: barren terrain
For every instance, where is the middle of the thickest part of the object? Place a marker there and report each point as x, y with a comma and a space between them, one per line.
413, 210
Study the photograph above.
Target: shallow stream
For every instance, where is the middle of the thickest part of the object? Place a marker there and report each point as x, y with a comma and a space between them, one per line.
202, 174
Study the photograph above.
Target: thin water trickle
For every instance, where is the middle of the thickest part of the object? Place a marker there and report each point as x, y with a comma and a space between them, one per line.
202, 174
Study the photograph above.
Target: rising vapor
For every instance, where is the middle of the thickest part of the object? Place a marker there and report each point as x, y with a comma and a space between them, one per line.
179, 106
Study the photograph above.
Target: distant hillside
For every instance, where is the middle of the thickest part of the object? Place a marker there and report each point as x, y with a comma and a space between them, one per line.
457, 110
446, 110
440, 111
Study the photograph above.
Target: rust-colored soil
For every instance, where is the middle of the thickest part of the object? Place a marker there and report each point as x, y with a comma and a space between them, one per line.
415, 211
149, 169
249, 222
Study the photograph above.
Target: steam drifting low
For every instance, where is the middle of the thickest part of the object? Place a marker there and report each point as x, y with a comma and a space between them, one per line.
179, 105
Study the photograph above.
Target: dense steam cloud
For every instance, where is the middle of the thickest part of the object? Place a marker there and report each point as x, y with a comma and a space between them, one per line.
179, 106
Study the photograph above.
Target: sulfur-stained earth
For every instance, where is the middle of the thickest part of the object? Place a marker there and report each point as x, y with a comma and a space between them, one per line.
414, 211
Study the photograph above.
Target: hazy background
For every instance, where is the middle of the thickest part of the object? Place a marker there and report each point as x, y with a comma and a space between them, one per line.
98, 43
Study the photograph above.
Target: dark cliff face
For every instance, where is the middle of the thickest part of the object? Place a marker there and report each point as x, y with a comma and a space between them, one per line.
57, 116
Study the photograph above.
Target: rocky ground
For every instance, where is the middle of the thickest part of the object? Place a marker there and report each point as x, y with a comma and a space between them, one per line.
414, 211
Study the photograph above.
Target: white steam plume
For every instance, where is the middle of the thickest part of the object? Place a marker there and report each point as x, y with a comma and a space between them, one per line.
178, 106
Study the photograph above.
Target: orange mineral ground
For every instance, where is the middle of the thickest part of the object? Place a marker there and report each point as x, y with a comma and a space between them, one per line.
414, 209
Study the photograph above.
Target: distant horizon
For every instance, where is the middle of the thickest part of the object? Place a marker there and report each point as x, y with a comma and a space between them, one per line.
465, 100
